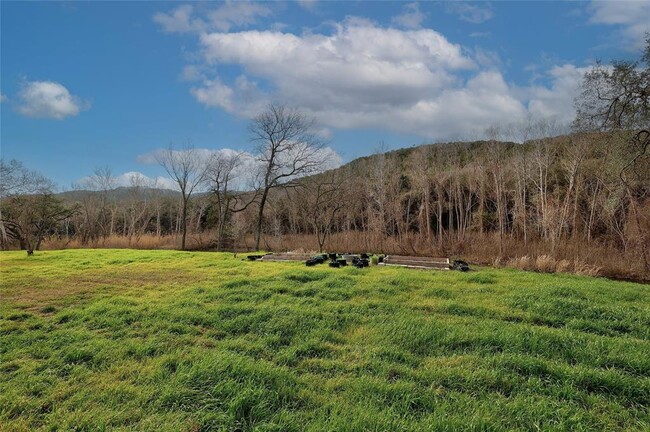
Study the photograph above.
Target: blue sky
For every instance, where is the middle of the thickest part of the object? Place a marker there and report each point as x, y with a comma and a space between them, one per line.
91, 84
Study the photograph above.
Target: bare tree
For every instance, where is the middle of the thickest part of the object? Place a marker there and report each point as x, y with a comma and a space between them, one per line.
322, 198
287, 148
28, 209
496, 155
224, 176
106, 182
618, 99
419, 164
29, 218
15, 179
138, 206
187, 169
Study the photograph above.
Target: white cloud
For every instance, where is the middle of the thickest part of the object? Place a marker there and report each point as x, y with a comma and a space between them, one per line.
486, 58
152, 157
556, 100
179, 20
133, 178
366, 76
3, 98
236, 14
48, 99
633, 17
411, 18
229, 15
357, 68
192, 73
362, 75
330, 157
472, 13
324, 133
244, 98
214, 93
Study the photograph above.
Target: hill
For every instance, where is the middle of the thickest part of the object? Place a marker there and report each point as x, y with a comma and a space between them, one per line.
569, 203
118, 194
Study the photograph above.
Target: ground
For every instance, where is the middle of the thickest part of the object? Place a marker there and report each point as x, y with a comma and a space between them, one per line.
173, 341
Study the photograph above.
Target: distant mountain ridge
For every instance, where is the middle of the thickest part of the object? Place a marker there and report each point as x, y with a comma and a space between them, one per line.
118, 194
123, 192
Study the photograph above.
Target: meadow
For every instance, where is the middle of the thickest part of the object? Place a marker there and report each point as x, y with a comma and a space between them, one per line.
197, 341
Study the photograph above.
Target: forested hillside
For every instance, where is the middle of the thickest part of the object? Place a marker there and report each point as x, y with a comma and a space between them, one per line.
492, 201
551, 204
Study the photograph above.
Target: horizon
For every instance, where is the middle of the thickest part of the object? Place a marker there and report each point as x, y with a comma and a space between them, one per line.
107, 84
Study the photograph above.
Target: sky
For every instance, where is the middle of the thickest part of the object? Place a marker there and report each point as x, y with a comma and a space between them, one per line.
86, 85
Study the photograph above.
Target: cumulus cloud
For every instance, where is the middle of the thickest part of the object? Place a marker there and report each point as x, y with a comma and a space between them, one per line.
237, 14
331, 159
471, 13
359, 67
243, 98
557, 100
411, 18
366, 76
214, 93
135, 178
359, 74
179, 20
231, 14
48, 99
633, 18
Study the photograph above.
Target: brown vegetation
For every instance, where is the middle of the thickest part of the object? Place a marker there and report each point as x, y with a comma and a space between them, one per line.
551, 205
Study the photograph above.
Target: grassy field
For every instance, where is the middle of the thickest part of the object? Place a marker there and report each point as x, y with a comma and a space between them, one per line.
173, 341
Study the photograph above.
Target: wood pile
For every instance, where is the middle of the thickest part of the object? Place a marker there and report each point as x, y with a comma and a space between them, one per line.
286, 257
416, 262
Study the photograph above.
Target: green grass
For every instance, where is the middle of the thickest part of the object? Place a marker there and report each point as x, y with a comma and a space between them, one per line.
173, 341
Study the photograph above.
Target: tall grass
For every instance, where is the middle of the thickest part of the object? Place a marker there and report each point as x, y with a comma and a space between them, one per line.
548, 264
196, 241
573, 255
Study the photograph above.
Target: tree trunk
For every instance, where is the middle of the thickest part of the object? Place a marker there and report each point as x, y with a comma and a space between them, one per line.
260, 215
639, 227
184, 223
481, 203
3, 232
158, 230
427, 214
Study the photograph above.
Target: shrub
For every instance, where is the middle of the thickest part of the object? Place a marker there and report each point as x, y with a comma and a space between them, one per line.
545, 264
563, 266
585, 269
522, 263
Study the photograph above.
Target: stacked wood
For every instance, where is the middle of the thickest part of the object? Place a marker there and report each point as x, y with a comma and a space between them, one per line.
286, 257
417, 262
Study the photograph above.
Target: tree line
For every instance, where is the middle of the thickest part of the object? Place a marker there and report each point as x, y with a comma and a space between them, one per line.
528, 186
